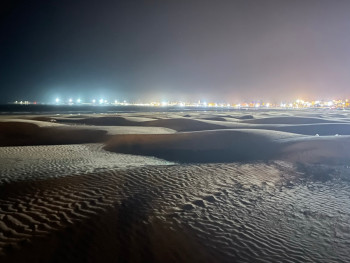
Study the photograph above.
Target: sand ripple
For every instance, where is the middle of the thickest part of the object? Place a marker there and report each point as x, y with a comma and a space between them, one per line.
253, 212
42, 162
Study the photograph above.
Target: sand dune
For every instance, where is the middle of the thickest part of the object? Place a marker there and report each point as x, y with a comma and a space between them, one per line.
29, 132
323, 150
244, 117
303, 124
234, 145
216, 141
21, 133
105, 121
205, 146
290, 120
178, 124
240, 186
322, 129
48, 122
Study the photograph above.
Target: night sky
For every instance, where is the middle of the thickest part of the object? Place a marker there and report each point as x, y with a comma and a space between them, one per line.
226, 50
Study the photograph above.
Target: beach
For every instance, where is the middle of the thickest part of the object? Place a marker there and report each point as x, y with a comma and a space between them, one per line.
184, 185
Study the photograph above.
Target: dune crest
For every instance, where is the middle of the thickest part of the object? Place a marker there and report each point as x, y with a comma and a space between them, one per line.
22, 133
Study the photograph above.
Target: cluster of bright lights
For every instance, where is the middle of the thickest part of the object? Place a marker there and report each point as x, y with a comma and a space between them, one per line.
79, 101
299, 103
25, 102
69, 101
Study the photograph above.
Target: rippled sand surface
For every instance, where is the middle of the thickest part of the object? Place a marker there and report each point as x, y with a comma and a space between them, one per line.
95, 208
42, 162
250, 186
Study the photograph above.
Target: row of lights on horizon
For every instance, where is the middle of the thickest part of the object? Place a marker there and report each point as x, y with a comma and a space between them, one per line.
103, 101
78, 101
296, 104
257, 105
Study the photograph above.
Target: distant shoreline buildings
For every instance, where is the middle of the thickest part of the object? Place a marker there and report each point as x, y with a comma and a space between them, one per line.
297, 104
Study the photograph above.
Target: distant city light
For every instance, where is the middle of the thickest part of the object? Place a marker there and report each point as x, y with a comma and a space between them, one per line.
296, 104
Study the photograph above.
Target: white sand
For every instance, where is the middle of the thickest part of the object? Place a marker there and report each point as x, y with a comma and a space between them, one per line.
79, 203
200, 137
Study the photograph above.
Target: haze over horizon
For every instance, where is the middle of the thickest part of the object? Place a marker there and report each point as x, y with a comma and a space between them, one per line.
183, 50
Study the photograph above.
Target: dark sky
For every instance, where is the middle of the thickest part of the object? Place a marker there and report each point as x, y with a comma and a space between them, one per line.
224, 50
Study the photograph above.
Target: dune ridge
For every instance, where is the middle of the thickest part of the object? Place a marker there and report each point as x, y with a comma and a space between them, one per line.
22, 133
198, 138
178, 124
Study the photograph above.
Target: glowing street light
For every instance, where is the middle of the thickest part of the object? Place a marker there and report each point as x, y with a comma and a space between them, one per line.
93, 101
78, 100
57, 100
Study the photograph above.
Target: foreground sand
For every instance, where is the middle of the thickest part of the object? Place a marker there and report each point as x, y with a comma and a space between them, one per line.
193, 187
